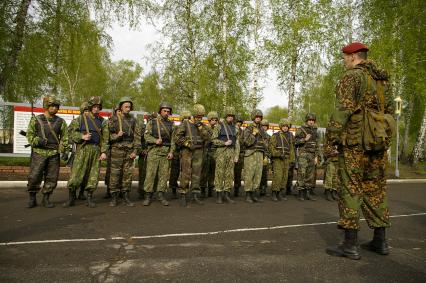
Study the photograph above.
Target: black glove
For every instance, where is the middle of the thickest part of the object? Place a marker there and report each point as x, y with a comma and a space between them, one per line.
64, 156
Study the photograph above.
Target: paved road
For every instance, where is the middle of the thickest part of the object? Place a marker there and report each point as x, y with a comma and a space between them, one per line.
276, 242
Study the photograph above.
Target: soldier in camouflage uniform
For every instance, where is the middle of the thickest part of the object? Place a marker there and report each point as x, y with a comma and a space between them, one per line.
362, 184
225, 140
142, 157
108, 163
331, 181
48, 136
307, 141
191, 136
125, 142
209, 163
266, 159
254, 148
90, 133
281, 148
161, 145
175, 164
238, 167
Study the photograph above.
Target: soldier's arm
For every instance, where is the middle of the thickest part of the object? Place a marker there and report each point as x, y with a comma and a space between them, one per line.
248, 138
180, 134
105, 137
292, 157
149, 139
389, 100
173, 141
237, 148
65, 145
113, 133
137, 140
204, 133
272, 147
32, 138
300, 137
215, 136
74, 130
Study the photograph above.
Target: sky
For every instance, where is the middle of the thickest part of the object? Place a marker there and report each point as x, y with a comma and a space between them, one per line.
131, 44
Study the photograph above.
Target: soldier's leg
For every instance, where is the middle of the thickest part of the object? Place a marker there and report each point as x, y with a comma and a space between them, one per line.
163, 176
185, 174
281, 194
142, 173
290, 178
79, 173
35, 177
174, 173
219, 174
258, 169
50, 179
204, 172
229, 175
310, 176
127, 176
93, 179
196, 164
302, 175
328, 181
211, 175
237, 176
264, 180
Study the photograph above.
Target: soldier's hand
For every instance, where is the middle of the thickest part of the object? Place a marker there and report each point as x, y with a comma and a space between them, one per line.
187, 144
228, 142
132, 155
255, 131
103, 156
265, 161
159, 142
170, 156
87, 137
120, 133
316, 160
236, 159
64, 156
308, 137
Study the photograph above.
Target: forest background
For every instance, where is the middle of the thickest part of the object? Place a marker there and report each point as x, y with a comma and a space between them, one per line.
215, 52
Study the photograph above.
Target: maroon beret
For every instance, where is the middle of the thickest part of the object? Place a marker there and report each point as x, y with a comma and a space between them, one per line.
354, 47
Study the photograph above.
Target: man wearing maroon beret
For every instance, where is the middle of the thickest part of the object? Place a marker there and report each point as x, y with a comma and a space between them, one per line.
364, 88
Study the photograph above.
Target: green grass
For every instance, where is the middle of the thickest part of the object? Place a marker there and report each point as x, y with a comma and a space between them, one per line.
14, 161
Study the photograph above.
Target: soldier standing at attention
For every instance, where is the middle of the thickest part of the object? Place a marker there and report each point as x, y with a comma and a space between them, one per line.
108, 162
254, 146
160, 142
225, 140
238, 167
125, 142
307, 139
209, 163
364, 90
266, 156
281, 148
90, 132
191, 135
48, 136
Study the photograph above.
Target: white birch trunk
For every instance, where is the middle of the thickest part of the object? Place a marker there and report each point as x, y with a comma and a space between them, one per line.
419, 147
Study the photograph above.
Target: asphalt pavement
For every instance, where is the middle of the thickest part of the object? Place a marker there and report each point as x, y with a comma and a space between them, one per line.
269, 241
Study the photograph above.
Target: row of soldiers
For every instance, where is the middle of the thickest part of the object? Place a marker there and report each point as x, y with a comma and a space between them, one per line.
205, 157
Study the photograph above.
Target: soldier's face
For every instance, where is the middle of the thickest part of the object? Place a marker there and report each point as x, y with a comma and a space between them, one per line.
165, 112
95, 109
126, 107
213, 122
284, 129
348, 60
198, 118
258, 119
53, 109
265, 128
239, 124
229, 119
311, 122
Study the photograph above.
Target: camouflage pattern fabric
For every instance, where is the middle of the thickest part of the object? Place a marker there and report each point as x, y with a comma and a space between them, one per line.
307, 170
157, 167
209, 165
142, 172
121, 170
331, 180
191, 162
280, 169
42, 166
174, 170
85, 169
238, 167
253, 164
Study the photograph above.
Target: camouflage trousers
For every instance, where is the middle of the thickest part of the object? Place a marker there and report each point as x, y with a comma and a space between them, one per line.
331, 179
208, 172
142, 172
264, 179
224, 171
253, 165
47, 167
191, 162
290, 175
174, 171
362, 188
157, 166
307, 170
280, 169
85, 169
238, 169
121, 170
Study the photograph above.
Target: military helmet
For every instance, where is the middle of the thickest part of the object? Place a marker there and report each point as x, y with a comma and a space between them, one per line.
284, 122
185, 114
255, 113
125, 99
212, 115
198, 110
94, 100
310, 116
229, 111
264, 123
165, 105
84, 106
50, 100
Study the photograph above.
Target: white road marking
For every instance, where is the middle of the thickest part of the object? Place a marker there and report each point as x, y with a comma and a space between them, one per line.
191, 234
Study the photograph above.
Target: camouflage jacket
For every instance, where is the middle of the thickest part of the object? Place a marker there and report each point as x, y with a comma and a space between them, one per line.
252, 142
34, 138
131, 139
189, 136
217, 142
151, 140
312, 145
281, 145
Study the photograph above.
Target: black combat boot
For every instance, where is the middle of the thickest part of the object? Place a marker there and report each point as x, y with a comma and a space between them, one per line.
174, 194
349, 247
378, 244
127, 199
90, 202
45, 202
307, 193
249, 198
219, 199
280, 195
196, 198
274, 196
81, 195
255, 198
162, 199
227, 197
183, 201
33, 200
334, 195
301, 194
114, 199
147, 200
71, 199
312, 191
288, 191
328, 195
236, 192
